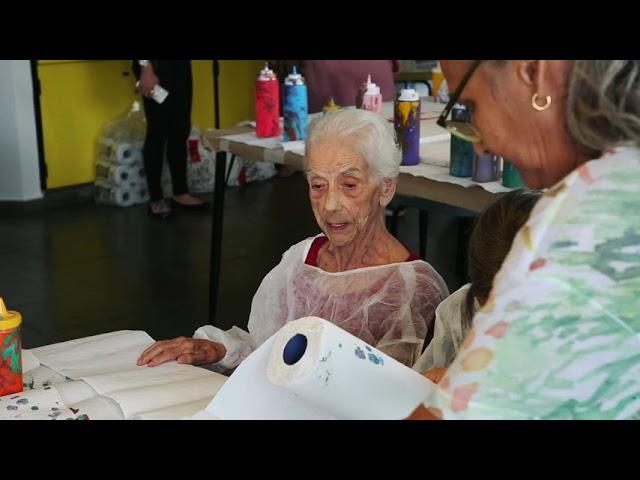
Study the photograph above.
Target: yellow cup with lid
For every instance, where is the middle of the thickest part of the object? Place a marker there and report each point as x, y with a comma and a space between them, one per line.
10, 351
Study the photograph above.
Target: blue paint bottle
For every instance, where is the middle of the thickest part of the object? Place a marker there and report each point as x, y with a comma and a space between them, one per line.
295, 107
462, 153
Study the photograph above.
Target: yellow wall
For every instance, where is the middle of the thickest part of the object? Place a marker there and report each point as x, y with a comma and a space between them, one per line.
236, 89
80, 96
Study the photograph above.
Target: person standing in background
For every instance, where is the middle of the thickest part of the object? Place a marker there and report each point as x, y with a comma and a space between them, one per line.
168, 126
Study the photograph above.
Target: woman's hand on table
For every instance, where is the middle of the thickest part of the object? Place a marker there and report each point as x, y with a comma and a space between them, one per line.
192, 351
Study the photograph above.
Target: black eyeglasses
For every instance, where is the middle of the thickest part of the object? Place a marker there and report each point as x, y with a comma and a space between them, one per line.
463, 130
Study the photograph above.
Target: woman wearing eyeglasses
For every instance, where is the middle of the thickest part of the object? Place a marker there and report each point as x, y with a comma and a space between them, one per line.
559, 336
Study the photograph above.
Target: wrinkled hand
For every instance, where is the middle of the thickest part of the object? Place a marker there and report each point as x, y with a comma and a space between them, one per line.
148, 81
191, 351
436, 374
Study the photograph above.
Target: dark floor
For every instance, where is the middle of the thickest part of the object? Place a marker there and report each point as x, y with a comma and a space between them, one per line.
88, 269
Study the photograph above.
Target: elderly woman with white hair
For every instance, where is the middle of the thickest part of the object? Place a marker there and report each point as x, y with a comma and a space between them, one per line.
559, 336
355, 274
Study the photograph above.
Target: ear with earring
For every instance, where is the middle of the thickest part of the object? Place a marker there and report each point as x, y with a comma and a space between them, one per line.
534, 102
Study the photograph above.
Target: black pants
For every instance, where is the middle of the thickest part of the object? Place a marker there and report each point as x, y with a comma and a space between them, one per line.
168, 125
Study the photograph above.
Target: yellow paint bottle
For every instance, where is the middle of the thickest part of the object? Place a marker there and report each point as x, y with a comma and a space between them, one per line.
330, 106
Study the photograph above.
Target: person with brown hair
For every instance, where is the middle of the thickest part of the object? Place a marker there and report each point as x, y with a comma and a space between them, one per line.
490, 241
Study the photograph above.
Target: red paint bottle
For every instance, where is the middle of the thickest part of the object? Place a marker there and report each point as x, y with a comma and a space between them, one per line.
267, 104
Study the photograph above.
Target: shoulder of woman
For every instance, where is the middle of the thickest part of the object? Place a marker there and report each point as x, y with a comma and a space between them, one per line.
301, 248
427, 274
455, 300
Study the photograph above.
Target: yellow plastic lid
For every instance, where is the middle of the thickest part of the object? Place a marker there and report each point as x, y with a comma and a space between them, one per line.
8, 319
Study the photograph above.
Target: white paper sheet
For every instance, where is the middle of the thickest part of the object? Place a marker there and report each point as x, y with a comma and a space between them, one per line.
106, 374
293, 146
29, 361
109, 352
202, 415
63, 413
337, 375
140, 377
137, 400
151, 388
75, 392
30, 403
62, 401
108, 339
41, 377
186, 410
441, 174
98, 408
250, 138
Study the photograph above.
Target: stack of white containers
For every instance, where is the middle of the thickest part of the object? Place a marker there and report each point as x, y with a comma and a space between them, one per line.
120, 177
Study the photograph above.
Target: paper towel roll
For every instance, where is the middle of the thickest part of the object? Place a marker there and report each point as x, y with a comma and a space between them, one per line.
113, 195
342, 375
140, 175
127, 153
311, 369
120, 175
141, 195
105, 149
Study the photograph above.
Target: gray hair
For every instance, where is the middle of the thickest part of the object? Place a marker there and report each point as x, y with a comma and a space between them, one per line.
603, 108
603, 105
367, 133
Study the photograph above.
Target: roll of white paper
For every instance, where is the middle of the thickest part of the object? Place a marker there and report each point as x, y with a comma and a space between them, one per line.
141, 194
105, 149
120, 175
127, 153
312, 369
140, 175
113, 195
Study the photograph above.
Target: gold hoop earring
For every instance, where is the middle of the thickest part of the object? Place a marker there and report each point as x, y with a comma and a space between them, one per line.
534, 103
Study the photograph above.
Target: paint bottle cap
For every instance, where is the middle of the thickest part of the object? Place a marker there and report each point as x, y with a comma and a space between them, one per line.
408, 95
372, 88
294, 78
330, 106
267, 74
8, 319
